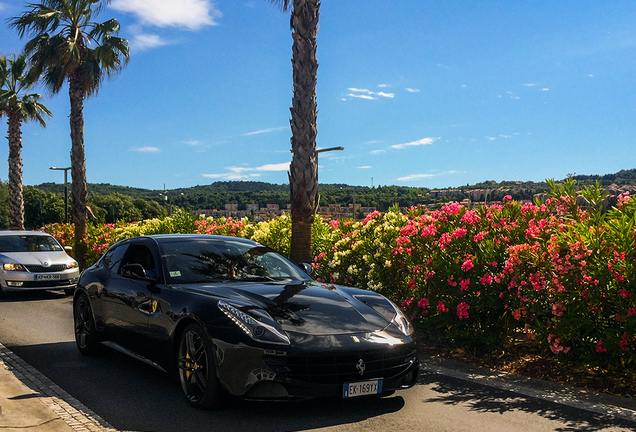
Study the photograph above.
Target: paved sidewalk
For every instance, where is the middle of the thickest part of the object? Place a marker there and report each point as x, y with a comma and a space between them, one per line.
31, 402
600, 403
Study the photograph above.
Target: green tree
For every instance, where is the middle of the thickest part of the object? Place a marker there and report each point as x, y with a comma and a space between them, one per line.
4, 206
19, 107
67, 45
303, 171
42, 208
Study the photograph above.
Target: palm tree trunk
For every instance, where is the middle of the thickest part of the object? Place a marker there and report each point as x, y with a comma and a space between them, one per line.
78, 169
16, 201
303, 171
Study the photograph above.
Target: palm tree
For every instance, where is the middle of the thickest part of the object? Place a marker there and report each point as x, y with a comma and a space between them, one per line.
303, 171
68, 46
18, 107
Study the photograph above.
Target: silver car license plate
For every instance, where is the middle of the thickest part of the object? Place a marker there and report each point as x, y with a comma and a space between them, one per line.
362, 388
40, 277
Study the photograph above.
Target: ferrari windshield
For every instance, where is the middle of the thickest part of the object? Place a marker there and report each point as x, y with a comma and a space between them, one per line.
29, 243
194, 261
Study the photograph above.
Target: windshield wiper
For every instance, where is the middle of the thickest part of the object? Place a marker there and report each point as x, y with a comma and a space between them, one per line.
255, 278
215, 280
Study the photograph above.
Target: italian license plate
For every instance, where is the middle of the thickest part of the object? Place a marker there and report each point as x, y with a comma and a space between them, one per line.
362, 388
47, 277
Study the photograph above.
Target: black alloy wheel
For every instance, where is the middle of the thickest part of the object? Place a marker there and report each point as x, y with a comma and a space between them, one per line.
85, 333
197, 370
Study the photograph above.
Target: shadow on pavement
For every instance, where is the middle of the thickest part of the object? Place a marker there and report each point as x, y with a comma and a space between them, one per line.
23, 296
131, 395
479, 398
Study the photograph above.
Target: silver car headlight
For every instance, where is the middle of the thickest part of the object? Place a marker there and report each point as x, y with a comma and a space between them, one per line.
262, 328
401, 322
72, 265
13, 267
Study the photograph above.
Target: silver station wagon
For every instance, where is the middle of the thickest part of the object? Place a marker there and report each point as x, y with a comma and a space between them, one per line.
33, 260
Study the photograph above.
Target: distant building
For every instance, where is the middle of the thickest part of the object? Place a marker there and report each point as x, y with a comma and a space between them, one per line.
444, 193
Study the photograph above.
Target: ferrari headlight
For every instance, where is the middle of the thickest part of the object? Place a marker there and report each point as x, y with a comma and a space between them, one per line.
72, 265
401, 322
13, 267
262, 328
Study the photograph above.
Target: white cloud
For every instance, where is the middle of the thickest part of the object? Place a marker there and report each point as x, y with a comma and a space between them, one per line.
365, 167
490, 138
193, 143
377, 151
361, 96
284, 166
189, 14
230, 176
142, 42
367, 94
148, 149
242, 173
413, 177
382, 85
529, 85
591, 75
3, 7
388, 95
412, 90
268, 130
545, 89
423, 141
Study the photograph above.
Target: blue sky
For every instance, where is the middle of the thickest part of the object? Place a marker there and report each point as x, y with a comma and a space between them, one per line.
419, 93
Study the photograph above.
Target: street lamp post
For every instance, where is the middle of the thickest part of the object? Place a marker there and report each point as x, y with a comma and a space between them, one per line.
322, 151
65, 190
329, 149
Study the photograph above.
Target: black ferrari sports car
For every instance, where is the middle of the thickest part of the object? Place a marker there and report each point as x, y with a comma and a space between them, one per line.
231, 316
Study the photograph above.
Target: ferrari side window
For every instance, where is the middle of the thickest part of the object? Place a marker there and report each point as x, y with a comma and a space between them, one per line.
140, 254
113, 257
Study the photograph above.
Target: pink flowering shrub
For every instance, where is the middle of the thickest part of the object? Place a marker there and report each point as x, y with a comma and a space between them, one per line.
552, 273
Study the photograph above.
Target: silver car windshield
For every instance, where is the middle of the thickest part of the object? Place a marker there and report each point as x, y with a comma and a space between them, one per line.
28, 243
226, 261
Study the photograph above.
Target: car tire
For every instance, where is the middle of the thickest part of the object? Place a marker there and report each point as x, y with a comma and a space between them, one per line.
84, 324
197, 369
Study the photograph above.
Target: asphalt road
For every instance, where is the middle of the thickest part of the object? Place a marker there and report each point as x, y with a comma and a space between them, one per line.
133, 396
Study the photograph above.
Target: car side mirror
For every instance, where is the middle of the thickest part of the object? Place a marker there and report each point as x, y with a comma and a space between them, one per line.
308, 268
134, 271
68, 248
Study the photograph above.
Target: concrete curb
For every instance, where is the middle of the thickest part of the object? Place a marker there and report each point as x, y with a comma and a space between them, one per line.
622, 408
63, 405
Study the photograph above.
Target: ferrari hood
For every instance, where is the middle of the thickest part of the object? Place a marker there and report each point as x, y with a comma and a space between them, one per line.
308, 307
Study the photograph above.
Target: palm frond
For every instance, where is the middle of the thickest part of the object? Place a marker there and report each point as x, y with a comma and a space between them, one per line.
284, 5
67, 43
